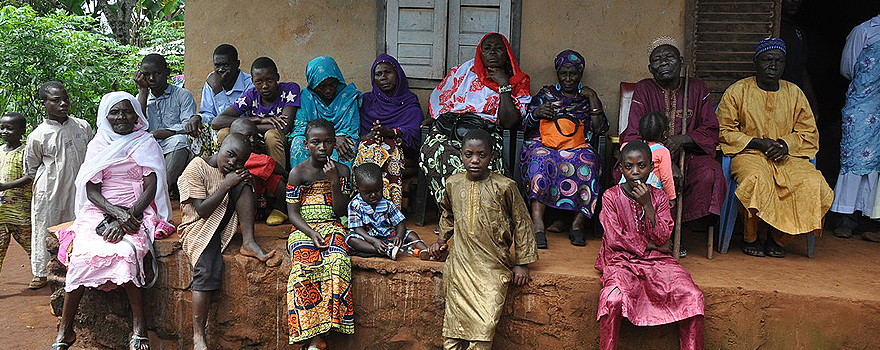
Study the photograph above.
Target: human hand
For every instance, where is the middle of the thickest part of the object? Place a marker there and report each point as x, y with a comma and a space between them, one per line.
277, 122
380, 246
113, 232
128, 223
545, 111
345, 146
319, 242
675, 142
677, 176
215, 81
193, 126
521, 275
777, 151
331, 172
141, 81
437, 249
397, 241
233, 178
499, 76
665, 248
642, 194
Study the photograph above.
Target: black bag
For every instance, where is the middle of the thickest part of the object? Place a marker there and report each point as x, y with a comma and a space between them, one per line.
102, 226
456, 125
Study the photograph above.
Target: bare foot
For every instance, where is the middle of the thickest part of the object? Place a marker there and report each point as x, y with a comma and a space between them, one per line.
318, 342
252, 249
273, 261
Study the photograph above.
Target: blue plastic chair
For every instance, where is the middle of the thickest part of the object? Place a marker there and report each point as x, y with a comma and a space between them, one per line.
729, 212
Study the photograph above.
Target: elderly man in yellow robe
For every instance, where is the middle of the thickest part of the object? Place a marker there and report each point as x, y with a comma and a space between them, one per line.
767, 126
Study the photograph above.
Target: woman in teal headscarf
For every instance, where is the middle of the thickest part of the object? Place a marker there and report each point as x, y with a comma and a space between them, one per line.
328, 97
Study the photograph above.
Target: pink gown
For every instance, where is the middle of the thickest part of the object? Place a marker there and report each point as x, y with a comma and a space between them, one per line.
99, 264
649, 288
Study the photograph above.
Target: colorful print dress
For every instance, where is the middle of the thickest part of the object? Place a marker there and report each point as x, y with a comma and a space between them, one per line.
319, 287
389, 156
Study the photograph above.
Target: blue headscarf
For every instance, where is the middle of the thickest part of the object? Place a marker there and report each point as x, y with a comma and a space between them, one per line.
343, 112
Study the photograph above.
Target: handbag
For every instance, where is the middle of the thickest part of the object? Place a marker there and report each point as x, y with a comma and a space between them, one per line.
102, 226
456, 125
561, 133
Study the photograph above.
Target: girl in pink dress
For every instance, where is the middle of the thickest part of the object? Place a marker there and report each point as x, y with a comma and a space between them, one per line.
121, 201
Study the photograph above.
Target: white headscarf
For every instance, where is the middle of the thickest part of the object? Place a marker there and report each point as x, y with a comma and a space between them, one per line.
109, 148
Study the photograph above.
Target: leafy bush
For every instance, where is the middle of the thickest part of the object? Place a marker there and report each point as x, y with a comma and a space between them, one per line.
70, 49
166, 38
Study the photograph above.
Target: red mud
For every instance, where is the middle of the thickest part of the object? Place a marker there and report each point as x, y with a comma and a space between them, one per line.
829, 302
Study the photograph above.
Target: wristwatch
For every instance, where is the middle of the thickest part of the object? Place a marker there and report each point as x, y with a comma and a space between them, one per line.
504, 89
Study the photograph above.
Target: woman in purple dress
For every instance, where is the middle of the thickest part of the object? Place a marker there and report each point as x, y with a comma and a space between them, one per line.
558, 163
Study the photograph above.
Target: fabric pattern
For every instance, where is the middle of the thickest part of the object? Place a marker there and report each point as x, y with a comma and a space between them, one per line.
15, 203
198, 181
389, 156
562, 179
440, 157
378, 221
655, 288
343, 111
400, 111
859, 147
486, 218
319, 295
789, 195
20, 233
250, 103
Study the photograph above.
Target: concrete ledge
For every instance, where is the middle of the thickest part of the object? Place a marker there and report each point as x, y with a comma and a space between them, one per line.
399, 305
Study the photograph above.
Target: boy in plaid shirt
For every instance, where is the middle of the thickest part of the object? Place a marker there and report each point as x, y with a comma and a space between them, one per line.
375, 224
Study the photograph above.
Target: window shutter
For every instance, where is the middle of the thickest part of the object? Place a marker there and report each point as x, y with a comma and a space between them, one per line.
469, 20
415, 33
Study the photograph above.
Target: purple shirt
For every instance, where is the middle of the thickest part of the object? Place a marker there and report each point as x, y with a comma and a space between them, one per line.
250, 103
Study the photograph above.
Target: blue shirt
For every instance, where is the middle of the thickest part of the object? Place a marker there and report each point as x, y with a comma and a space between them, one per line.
214, 104
378, 221
171, 111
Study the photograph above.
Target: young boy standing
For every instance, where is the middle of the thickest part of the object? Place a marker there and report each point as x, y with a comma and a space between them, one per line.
55, 150
487, 214
15, 186
640, 279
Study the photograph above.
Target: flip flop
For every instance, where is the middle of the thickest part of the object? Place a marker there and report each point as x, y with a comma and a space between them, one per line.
753, 249
577, 238
137, 342
541, 240
61, 346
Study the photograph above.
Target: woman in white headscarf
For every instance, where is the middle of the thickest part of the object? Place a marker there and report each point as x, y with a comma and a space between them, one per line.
121, 206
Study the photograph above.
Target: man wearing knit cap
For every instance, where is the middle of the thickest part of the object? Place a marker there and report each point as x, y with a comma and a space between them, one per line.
768, 128
703, 186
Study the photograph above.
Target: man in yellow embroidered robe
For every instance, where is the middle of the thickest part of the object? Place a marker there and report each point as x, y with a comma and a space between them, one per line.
767, 126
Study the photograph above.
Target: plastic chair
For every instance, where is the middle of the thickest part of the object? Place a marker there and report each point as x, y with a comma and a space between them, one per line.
729, 212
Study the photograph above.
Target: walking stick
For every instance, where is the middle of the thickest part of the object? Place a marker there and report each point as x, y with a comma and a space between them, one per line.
676, 238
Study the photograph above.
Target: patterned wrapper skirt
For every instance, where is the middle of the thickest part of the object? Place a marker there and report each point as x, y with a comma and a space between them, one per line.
441, 157
389, 156
561, 179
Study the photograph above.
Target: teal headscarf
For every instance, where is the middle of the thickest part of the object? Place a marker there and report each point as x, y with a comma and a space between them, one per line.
343, 112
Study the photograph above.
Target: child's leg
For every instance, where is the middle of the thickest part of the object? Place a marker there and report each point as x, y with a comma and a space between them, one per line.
200, 302
413, 237
243, 194
22, 235
4, 242
690, 333
276, 145
609, 324
361, 245
68, 312
277, 198
135, 299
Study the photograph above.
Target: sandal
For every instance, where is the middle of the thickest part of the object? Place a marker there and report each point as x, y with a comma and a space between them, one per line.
137, 343
61, 346
541, 240
774, 250
577, 238
682, 251
753, 249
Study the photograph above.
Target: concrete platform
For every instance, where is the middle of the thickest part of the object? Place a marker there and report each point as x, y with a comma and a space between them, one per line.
829, 302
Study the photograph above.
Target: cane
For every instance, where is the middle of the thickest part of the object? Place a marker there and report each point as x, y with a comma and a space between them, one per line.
676, 238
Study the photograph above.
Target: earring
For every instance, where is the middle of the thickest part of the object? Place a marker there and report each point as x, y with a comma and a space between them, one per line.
558, 87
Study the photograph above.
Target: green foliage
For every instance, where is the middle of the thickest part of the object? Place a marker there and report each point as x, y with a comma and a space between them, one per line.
67, 48
165, 38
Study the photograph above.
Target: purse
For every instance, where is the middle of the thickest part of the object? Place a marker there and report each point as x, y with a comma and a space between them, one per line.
456, 125
561, 133
102, 226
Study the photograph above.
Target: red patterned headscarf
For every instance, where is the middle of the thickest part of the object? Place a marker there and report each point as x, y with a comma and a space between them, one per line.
519, 81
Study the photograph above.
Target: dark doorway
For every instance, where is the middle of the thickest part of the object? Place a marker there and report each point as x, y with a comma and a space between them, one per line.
825, 25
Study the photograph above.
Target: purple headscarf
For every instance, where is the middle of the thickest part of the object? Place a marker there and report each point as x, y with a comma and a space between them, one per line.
400, 111
570, 57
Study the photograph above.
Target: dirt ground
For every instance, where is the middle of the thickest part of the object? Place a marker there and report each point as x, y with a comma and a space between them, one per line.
843, 269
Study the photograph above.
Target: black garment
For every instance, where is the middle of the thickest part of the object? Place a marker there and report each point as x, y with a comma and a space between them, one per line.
795, 52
